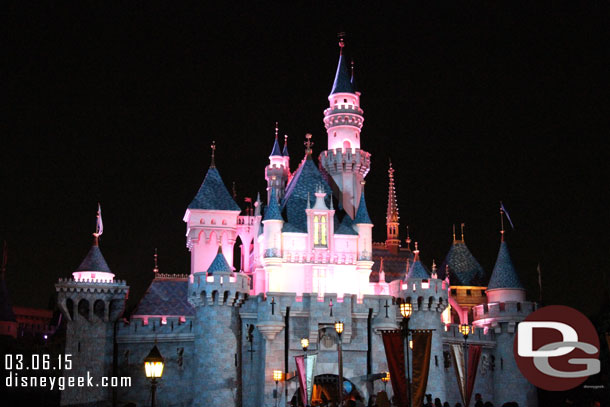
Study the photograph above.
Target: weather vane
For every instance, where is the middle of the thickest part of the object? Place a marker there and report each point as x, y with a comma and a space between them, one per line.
308, 144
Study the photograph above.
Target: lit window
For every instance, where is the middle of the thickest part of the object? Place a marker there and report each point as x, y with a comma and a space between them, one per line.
319, 230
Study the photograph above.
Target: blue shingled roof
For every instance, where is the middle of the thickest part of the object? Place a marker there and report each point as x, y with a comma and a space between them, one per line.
6, 308
504, 274
362, 214
289, 227
213, 194
417, 271
219, 265
166, 297
306, 180
94, 261
342, 81
346, 227
464, 269
276, 149
285, 150
272, 211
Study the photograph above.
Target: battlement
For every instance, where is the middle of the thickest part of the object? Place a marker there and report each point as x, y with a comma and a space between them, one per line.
343, 117
478, 336
425, 294
343, 108
502, 314
349, 159
230, 289
91, 286
142, 328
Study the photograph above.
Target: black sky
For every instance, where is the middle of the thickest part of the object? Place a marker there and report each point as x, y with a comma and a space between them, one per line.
474, 103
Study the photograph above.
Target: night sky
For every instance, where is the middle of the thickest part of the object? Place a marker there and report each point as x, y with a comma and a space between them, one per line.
474, 104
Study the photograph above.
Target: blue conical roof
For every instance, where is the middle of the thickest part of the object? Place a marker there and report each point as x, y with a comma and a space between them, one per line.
213, 194
219, 265
94, 261
273, 212
504, 274
277, 151
362, 214
464, 269
417, 271
345, 228
342, 83
285, 150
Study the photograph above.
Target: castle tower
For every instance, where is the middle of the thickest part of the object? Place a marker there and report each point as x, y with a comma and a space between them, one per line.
506, 307
392, 241
91, 302
278, 171
272, 232
364, 227
211, 220
344, 161
216, 295
429, 299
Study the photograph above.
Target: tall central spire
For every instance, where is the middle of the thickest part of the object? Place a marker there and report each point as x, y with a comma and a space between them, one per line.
392, 241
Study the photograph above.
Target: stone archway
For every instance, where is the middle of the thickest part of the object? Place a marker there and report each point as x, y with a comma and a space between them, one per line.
326, 391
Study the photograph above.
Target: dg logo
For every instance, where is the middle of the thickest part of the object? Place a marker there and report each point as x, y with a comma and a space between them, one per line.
557, 348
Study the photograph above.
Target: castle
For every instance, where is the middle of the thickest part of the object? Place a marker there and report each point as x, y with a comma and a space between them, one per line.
307, 260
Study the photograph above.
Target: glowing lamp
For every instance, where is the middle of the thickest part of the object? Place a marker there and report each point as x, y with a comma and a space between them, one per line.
386, 378
153, 364
304, 344
465, 330
411, 344
339, 327
406, 309
277, 376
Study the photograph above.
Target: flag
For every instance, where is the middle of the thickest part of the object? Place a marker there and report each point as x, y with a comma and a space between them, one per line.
310, 367
99, 227
507, 215
301, 375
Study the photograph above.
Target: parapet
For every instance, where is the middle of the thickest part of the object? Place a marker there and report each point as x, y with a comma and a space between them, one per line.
229, 289
345, 159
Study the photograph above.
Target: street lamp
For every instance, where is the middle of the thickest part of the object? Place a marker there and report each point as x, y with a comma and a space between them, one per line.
465, 329
153, 367
339, 329
305, 345
406, 310
385, 379
277, 377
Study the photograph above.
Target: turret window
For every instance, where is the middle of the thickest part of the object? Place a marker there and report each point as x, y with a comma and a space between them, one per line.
320, 232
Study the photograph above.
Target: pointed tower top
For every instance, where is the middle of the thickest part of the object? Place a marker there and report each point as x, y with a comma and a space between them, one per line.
342, 83
276, 151
362, 214
501, 222
156, 269
285, 150
504, 274
213, 147
219, 264
273, 212
392, 212
353, 77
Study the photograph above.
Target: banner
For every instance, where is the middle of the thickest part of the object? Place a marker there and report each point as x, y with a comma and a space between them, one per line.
310, 366
395, 355
474, 354
457, 354
301, 373
422, 347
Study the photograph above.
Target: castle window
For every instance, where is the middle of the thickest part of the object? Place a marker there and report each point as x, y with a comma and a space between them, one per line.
344, 100
320, 232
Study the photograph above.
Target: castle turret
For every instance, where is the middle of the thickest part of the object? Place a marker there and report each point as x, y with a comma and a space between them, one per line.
505, 308
90, 302
344, 161
429, 299
211, 219
216, 295
277, 172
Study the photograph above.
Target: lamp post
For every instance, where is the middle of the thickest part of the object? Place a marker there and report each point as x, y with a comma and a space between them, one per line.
277, 377
465, 330
153, 367
385, 379
305, 345
339, 329
406, 310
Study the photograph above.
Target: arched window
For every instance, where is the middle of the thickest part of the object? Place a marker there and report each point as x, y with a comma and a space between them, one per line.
346, 145
320, 232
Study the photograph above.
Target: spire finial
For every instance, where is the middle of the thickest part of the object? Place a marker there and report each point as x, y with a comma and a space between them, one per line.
408, 239
416, 252
454, 233
434, 274
277, 129
99, 225
308, 144
501, 222
213, 147
156, 269
308, 201
341, 37
462, 227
